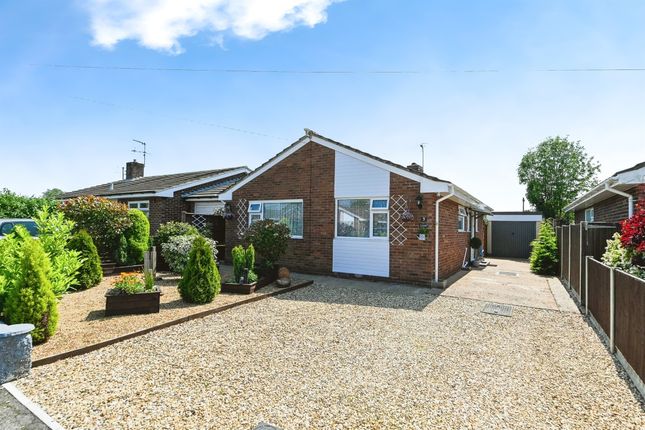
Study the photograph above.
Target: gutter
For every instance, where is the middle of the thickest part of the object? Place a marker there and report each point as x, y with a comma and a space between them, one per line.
451, 192
630, 199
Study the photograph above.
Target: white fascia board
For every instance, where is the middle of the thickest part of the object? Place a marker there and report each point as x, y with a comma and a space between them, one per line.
228, 194
170, 192
595, 191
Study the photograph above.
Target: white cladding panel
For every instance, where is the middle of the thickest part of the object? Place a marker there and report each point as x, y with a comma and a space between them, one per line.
207, 208
362, 256
356, 178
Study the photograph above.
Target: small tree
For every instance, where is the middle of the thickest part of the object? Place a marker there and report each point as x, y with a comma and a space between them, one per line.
555, 173
13, 205
137, 236
544, 253
200, 281
105, 220
90, 273
270, 239
31, 299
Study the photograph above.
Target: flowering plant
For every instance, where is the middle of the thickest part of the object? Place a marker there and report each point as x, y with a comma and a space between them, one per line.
129, 283
176, 251
633, 234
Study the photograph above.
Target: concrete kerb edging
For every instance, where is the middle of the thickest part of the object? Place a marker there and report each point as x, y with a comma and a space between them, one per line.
32, 407
94, 347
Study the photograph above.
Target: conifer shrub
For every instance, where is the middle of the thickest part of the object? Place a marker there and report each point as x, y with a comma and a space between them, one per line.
137, 236
200, 281
90, 273
31, 299
544, 252
121, 251
239, 261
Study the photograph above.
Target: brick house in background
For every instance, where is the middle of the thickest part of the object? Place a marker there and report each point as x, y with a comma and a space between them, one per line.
612, 200
349, 212
190, 196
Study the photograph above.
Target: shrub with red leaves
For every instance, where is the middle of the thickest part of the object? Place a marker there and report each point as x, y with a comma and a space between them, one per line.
633, 230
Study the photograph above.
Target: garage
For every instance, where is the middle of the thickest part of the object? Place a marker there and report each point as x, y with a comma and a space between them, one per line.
510, 233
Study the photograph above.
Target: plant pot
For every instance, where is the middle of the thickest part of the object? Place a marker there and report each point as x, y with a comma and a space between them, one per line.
230, 287
117, 303
283, 282
421, 236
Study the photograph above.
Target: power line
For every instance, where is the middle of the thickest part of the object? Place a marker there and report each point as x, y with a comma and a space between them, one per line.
194, 121
336, 72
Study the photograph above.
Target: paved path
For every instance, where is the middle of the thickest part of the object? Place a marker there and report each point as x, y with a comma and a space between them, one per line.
511, 282
15, 416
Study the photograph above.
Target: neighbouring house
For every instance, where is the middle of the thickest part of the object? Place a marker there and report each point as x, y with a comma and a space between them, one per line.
191, 197
353, 213
510, 233
612, 200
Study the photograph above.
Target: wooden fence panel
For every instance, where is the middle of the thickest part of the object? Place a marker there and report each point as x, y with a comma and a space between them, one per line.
630, 320
565, 253
596, 240
598, 300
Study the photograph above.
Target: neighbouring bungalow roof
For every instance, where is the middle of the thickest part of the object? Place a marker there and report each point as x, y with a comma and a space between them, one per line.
160, 185
428, 183
622, 180
212, 191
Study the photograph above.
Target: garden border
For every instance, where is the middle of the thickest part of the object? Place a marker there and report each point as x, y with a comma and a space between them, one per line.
89, 348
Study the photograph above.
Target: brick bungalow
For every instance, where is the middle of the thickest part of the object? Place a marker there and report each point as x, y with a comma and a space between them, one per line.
612, 200
353, 213
190, 196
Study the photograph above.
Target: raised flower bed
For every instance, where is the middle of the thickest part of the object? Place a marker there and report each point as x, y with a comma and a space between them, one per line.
133, 293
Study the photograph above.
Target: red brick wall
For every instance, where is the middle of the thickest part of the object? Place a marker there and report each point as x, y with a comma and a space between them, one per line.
613, 209
307, 174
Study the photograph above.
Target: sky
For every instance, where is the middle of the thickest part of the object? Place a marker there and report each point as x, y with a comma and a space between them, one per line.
200, 81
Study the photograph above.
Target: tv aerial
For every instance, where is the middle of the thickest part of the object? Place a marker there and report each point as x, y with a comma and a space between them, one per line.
138, 151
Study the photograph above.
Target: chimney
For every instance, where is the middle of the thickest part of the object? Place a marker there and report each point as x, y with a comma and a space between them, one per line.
134, 169
415, 167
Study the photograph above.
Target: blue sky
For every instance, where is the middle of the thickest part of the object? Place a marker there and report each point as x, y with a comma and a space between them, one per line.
70, 128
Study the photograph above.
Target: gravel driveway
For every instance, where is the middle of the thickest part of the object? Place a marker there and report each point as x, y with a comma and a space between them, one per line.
337, 355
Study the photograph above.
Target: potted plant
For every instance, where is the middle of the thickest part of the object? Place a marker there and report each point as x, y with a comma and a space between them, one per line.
244, 279
423, 233
133, 293
475, 243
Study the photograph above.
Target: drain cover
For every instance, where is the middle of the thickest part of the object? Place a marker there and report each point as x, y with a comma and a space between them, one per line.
497, 309
507, 273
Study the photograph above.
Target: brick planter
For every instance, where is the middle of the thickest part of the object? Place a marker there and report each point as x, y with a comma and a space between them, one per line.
128, 304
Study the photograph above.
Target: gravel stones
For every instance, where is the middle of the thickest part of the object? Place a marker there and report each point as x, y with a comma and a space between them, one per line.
333, 356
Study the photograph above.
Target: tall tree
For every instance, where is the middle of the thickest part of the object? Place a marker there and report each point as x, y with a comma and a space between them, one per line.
555, 173
52, 193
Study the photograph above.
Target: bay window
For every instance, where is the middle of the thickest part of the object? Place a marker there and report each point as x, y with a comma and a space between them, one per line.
287, 212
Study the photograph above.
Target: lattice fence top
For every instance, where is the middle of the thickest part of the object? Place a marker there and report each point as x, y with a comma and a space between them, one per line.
398, 206
199, 221
241, 216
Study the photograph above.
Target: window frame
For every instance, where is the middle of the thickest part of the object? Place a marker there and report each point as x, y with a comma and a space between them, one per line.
373, 210
462, 213
138, 206
592, 212
260, 212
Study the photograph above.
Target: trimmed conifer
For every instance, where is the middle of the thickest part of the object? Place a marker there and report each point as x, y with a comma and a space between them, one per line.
31, 299
544, 253
90, 273
200, 281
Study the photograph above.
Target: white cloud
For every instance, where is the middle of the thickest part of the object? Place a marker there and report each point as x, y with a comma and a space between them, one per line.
159, 24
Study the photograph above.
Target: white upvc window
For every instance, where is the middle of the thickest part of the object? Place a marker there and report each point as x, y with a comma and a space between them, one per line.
142, 205
363, 218
463, 219
287, 212
589, 215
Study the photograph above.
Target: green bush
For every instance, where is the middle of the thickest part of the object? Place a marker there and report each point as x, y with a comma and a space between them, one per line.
172, 229
137, 236
544, 253
200, 281
176, 252
31, 299
239, 261
105, 220
270, 239
10, 256
249, 257
475, 242
90, 273
54, 233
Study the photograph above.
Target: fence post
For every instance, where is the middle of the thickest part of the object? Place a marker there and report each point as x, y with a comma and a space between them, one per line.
587, 285
612, 310
569, 252
583, 227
